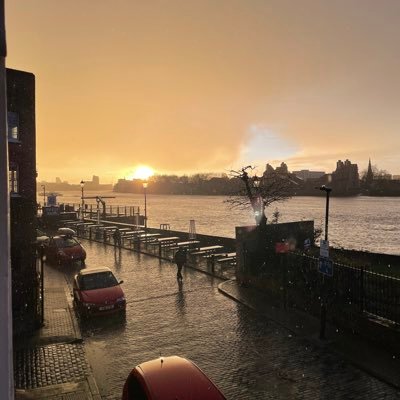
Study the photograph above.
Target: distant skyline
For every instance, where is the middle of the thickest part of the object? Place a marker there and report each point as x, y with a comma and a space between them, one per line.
258, 170
205, 86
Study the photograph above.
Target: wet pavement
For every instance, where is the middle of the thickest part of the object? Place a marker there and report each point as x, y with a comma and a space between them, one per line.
247, 355
52, 364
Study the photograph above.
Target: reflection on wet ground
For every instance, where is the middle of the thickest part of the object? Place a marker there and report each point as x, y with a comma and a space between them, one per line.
112, 323
248, 357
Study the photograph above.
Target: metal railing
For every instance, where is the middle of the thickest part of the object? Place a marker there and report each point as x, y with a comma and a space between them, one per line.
148, 244
349, 290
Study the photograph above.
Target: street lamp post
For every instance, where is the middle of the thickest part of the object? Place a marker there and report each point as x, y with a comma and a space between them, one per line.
44, 194
82, 200
258, 203
327, 190
145, 205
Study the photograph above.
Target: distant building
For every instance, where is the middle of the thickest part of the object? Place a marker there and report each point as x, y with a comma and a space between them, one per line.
282, 169
306, 174
95, 180
58, 180
396, 177
22, 183
345, 179
370, 175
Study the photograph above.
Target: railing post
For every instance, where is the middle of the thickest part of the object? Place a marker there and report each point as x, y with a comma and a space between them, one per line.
283, 265
362, 290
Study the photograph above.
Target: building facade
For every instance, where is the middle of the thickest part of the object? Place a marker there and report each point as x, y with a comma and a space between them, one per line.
22, 185
306, 174
345, 179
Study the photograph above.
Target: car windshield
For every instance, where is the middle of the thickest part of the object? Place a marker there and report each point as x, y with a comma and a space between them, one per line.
98, 280
62, 243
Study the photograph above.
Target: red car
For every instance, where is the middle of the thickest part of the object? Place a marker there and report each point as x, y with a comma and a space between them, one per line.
64, 249
169, 378
97, 291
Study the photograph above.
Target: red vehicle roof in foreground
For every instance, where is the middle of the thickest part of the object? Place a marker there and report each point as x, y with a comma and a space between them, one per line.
176, 378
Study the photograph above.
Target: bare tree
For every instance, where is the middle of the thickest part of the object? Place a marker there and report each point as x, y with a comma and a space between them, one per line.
260, 192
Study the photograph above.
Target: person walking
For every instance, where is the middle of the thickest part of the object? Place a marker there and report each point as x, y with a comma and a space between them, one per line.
180, 260
117, 237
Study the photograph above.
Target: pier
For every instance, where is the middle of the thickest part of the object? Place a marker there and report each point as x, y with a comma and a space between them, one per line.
211, 254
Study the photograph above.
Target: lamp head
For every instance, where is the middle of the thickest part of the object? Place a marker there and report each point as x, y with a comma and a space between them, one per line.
82, 184
325, 189
145, 183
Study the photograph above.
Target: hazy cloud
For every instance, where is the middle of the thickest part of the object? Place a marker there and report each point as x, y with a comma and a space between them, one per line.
204, 85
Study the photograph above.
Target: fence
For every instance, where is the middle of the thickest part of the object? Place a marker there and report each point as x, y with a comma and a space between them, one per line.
348, 292
91, 210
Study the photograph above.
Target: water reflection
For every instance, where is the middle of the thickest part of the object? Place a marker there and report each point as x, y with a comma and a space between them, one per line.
113, 324
180, 302
117, 259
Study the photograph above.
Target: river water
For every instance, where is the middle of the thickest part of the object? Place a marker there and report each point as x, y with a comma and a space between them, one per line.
361, 223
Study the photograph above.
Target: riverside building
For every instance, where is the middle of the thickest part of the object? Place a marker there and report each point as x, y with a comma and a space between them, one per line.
22, 185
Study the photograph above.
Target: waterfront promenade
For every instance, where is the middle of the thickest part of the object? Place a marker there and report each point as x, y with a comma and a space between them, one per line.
251, 349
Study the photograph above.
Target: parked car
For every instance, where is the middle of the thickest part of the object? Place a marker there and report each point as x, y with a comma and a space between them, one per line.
97, 291
169, 378
66, 231
64, 249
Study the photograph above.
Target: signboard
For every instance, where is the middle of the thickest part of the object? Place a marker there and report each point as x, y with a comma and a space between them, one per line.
324, 248
307, 244
51, 210
325, 266
51, 200
281, 247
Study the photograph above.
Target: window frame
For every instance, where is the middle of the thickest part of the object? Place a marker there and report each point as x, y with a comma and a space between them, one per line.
13, 178
13, 123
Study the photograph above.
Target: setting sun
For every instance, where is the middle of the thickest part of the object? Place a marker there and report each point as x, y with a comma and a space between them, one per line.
141, 172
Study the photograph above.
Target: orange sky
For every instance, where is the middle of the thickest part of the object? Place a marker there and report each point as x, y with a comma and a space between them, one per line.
209, 85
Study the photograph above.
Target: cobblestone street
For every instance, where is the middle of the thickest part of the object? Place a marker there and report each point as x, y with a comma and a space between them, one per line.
247, 356
51, 364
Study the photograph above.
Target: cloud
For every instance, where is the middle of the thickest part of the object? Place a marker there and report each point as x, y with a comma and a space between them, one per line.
200, 86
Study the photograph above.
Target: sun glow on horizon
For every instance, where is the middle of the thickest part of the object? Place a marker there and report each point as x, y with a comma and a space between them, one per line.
141, 172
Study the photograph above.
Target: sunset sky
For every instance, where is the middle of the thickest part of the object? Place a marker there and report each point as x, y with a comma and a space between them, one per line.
209, 85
